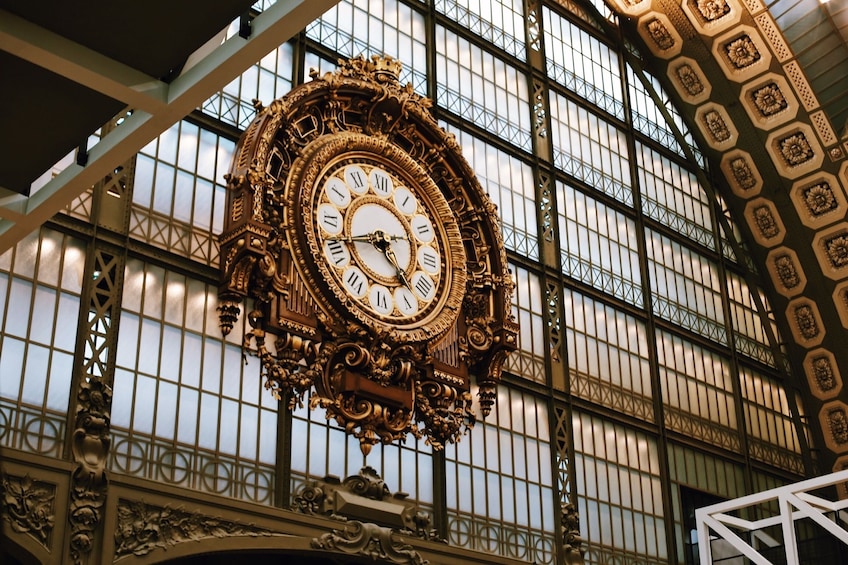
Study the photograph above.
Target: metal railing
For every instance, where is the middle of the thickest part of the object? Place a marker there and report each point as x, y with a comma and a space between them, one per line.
776, 525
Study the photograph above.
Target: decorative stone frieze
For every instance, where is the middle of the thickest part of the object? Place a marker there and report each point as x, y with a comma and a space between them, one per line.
833, 417
831, 248
795, 150
716, 126
689, 80
660, 35
824, 129
27, 505
769, 101
371, 541
712, 16
741, 173
741, 53
805, 322
823, 374
786, 272
765, 222
819, 200
796, 76
142, 527
773, 35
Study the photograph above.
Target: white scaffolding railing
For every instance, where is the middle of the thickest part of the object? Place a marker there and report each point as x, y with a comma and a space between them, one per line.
794, 502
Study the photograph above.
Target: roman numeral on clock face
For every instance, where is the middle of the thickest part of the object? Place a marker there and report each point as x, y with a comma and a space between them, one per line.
381, 183
428, 259
337, 253
355, 281
330, 219
423, 286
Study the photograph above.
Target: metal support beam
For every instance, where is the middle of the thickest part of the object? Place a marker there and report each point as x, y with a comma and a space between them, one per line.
156, 105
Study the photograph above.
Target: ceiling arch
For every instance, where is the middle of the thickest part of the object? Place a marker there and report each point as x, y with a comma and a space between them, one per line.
783, 175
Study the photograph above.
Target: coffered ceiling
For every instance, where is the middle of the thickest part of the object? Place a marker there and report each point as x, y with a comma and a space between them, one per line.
763, 86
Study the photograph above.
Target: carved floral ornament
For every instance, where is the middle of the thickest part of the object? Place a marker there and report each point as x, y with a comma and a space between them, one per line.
371, 255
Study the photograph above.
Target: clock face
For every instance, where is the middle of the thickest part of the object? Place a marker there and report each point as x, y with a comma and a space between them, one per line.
379, 240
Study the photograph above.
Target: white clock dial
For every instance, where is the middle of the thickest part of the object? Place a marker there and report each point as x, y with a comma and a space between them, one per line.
405, 201
405, 301
381, 242
422, 228
381, 182
337, 192
356, 179
330, 219
370, 217
423, 286
381, 300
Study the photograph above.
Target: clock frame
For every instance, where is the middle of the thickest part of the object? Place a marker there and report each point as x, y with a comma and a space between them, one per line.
381, 370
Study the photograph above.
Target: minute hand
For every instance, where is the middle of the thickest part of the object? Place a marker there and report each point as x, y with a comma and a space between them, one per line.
372, 238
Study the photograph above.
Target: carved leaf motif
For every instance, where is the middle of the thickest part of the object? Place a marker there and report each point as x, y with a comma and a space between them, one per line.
369, 540
28, 506
141, 528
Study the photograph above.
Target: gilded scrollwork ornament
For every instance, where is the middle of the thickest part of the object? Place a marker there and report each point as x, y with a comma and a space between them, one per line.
373, 257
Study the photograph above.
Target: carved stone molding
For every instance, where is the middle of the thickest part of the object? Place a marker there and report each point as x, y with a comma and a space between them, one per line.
90, 447
769, 101
741, 53
369, 540
786, 272
765, 222
689, 80
823, 374
831, 248
712, 16
364, 496
715, 124
741, 173
28, 506
572, 542
805, 322
141, 528
834, 422
795, 150
633, 8
840, 301
659, 35
819, 200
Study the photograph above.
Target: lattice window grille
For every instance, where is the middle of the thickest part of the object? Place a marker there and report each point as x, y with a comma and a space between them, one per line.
677, 222
484, 118
586, 90
689, 319
610, 283
595, 178
477, 25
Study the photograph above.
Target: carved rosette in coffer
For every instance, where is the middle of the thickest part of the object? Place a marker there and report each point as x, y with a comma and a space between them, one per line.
370, 257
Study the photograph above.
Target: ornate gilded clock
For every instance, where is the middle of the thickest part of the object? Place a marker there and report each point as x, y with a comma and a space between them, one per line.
372, 256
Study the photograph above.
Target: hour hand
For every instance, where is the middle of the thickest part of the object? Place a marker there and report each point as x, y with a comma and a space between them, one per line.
401, 275
351, 238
